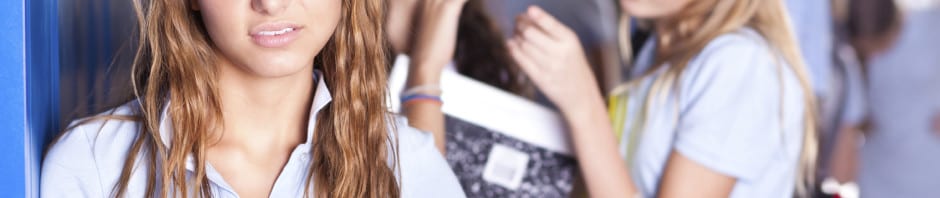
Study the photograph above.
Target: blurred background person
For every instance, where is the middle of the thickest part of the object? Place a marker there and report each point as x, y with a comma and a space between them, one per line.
898, 156
837, 81
720, 96
878, 28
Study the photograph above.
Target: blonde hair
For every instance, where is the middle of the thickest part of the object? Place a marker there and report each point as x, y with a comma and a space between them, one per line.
702, 21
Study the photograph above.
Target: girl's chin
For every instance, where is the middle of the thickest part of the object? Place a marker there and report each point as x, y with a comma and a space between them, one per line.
269, 69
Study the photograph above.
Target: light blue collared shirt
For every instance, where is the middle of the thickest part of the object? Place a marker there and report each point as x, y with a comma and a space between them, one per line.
733, 111
88, 160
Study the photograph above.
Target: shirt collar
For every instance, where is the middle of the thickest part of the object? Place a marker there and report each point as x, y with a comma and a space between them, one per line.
321, 98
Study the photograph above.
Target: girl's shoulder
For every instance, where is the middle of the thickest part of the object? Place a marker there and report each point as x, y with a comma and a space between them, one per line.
90, 153
742, 44
738, 101
737, 56
105, 134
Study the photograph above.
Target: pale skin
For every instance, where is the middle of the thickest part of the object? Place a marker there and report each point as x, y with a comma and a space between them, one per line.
265, 92
436, 26
552, 57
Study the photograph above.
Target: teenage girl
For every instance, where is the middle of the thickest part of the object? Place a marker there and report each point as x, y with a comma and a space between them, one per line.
720, 104
251, 98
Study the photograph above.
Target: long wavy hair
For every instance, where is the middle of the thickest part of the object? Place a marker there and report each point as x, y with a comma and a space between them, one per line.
700, 22
175, 61
481, 52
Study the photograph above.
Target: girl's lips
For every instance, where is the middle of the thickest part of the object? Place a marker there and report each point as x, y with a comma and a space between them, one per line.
275, 35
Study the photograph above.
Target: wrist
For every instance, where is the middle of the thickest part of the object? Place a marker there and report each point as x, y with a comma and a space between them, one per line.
441, 10
418, 78
584, 111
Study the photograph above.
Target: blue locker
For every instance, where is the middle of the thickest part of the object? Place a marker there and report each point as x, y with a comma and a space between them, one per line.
29, 94
42, 86
12, 103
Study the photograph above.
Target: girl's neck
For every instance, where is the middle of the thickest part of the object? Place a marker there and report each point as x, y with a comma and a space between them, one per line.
264, 111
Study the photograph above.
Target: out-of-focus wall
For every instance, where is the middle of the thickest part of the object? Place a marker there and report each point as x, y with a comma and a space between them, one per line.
96, 50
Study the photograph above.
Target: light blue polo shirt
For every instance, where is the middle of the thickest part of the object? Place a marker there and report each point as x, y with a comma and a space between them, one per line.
725, 115
87, 161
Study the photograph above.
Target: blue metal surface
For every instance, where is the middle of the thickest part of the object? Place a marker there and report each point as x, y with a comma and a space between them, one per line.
42, 86
12, 98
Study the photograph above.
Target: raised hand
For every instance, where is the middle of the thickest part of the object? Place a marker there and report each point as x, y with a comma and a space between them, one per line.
553, 58
551, 55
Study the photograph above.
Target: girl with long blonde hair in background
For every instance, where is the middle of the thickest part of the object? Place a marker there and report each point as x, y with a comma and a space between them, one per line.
719, 104
251, 98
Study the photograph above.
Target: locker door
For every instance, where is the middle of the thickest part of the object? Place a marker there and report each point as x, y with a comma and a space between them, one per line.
28, 91
42, 86
12, 98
